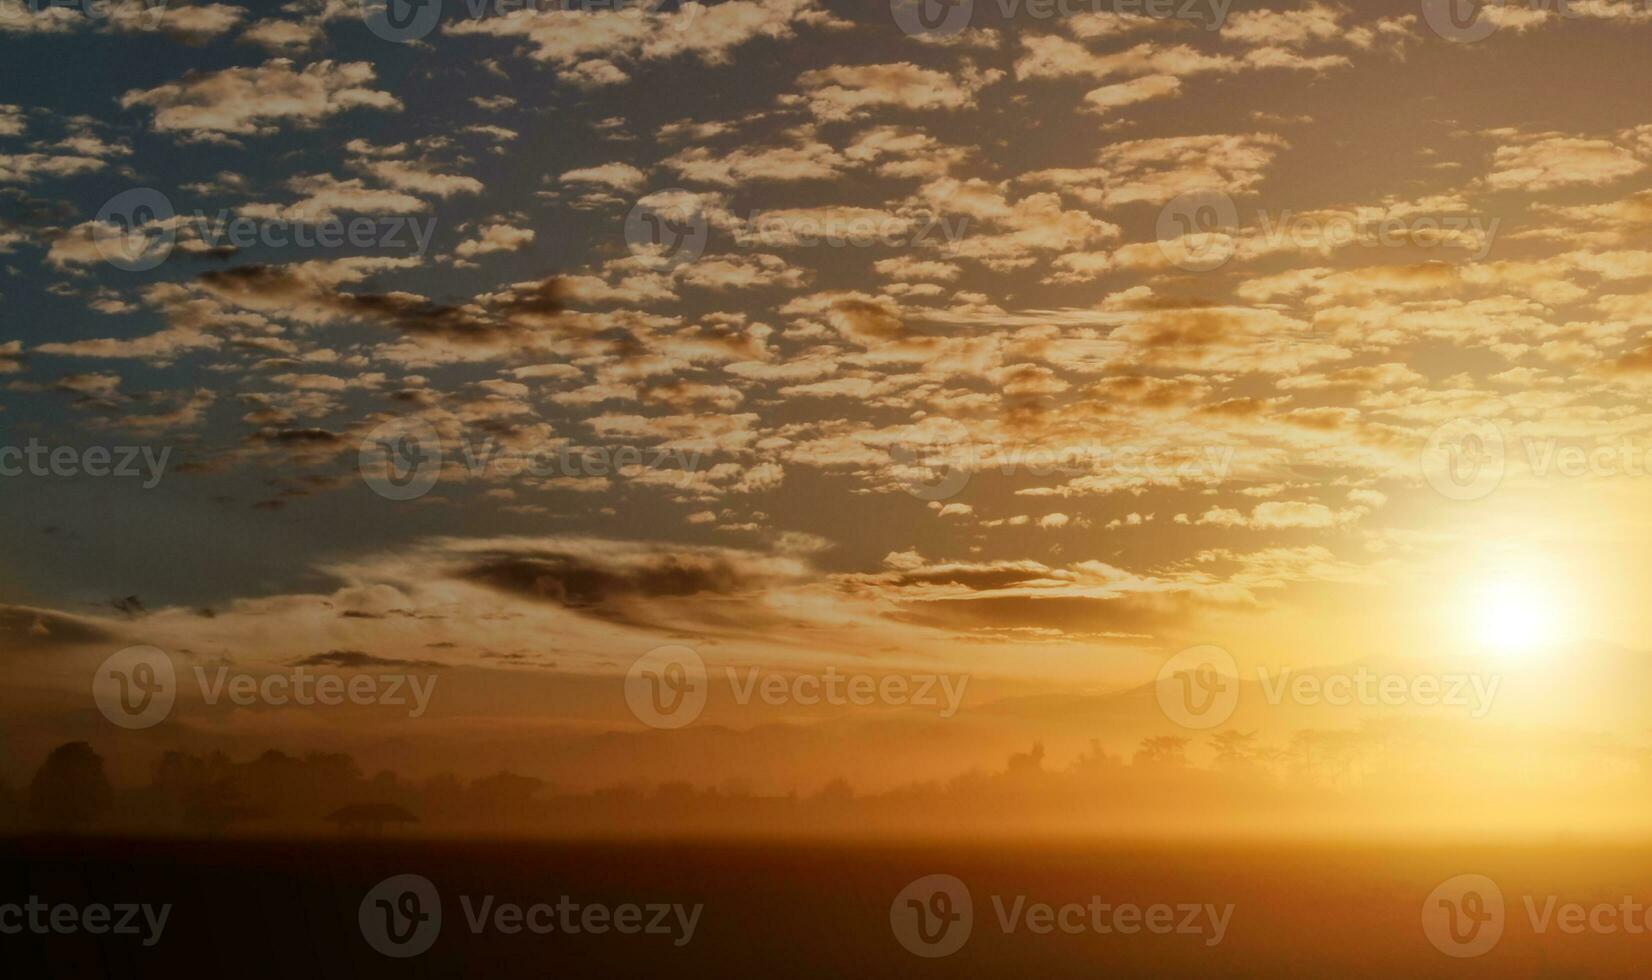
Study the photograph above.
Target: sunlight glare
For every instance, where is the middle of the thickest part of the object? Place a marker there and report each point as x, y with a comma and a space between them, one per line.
1515, 616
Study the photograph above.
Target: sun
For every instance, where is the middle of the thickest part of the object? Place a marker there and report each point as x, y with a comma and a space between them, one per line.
1516, 616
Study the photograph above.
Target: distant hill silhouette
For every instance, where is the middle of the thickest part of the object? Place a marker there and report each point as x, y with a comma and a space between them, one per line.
1396, 775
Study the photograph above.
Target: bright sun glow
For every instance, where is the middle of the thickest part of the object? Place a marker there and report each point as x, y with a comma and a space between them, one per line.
1515, 616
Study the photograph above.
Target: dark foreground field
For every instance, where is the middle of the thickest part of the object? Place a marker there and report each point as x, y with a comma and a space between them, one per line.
295, 909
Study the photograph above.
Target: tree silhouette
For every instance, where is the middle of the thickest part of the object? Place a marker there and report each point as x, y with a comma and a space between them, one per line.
1233, 749
1162, 750
71, 790
1026, 764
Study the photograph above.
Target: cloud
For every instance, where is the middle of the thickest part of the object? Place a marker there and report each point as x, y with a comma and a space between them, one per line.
1278, 514
495, 238
1548, 162
28, 168
357, 660
635, 583
845, 91
420, 179
1136, 90
590, 42
254, 101
1154, 171
324, 196
283, 36
809, 160
193, 23
616, 176
25, 630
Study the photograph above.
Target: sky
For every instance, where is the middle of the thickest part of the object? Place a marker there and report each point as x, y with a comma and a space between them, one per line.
1025, 342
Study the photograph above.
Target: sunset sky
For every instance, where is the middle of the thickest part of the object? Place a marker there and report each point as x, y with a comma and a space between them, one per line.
1035, 351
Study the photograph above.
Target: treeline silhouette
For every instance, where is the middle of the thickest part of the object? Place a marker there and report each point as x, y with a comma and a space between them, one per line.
1399, 771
